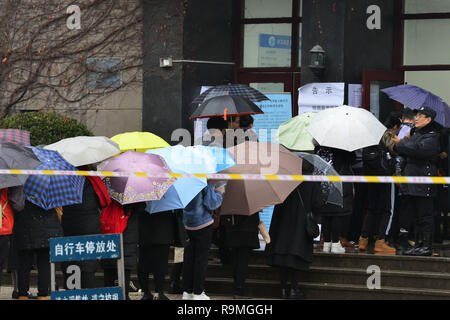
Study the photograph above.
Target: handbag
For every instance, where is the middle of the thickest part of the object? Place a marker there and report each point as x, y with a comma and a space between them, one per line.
311, 226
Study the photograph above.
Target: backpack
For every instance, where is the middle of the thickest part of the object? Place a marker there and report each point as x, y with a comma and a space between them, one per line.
7, 221
113, 218
377, 160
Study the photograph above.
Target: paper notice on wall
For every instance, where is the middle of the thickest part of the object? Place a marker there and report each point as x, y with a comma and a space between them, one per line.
355, 95
315, 97
200, 124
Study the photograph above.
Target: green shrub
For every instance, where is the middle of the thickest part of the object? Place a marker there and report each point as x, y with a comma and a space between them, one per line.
45, 127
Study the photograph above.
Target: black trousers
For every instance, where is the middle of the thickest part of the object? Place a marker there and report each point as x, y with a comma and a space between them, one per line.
332, 227
110, 276
240, 257
4, 252
359, 208
153, 259
195, 259
378, 210
419, 212
291, 274
26, 259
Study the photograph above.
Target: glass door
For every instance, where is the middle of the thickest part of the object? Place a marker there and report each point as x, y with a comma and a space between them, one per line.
373, 99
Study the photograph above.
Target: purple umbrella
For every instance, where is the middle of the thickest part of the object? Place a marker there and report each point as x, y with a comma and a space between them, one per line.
136, 189
414, 98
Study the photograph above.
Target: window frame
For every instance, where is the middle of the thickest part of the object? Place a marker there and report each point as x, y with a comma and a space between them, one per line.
295, 20
400, 18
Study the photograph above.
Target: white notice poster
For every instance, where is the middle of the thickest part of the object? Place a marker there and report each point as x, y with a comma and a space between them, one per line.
200, 124
315, 97
355, 95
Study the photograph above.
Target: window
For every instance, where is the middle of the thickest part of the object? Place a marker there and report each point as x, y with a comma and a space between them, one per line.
268, 28
103, 73
426, 42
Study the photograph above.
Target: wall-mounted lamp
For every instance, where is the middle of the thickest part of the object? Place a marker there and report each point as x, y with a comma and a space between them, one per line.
317, 60
166, 62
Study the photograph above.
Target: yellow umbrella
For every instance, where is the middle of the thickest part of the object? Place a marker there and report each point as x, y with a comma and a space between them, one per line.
139, 141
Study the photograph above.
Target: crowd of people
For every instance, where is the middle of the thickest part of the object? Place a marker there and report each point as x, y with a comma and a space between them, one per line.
393, 219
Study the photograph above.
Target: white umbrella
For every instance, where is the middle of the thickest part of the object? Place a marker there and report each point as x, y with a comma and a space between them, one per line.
346, 128
83, 150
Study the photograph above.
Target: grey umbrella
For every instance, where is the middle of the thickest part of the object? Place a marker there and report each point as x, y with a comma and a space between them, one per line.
13, 156
332, 190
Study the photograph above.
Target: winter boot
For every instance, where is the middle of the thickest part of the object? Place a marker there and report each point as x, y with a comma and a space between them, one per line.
381, 247
363, 243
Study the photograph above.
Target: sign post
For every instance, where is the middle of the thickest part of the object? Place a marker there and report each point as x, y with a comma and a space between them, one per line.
92, 247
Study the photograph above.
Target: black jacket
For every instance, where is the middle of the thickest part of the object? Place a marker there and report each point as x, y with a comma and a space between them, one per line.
84, 218
290, 245
241, 230
422, 153
34, 226
157, 228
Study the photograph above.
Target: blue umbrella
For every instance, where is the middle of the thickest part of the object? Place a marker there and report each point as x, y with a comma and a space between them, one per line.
52, 191
414, 97
197, 159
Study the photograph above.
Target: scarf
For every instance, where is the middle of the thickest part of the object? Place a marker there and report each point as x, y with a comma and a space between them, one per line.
100, 190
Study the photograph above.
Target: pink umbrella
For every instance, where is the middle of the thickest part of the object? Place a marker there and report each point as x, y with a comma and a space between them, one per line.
136, 189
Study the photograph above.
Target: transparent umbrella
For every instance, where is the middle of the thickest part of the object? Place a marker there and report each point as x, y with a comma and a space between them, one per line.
332, 190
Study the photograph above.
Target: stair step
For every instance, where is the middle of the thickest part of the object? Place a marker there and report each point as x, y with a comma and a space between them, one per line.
271, 289
319, 274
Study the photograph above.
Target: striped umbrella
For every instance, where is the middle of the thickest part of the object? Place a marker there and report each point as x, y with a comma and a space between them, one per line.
52, 191
415, 97
15, 136
240, 90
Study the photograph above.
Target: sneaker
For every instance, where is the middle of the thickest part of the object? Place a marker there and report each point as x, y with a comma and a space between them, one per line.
326, 247
336, 247
201, 296
188, 296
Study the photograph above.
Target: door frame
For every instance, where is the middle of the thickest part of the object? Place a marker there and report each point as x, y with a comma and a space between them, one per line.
378, 75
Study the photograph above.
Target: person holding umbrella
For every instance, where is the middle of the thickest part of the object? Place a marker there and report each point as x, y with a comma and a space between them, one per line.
421, 151
334, 217
198, 222
84, 219
12, 200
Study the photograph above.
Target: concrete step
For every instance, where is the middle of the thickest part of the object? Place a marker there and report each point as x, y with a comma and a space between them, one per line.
319, 274
364, 260
326, 291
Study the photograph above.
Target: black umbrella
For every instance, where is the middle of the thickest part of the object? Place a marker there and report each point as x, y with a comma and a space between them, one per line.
240, 90
226, 106
13, 156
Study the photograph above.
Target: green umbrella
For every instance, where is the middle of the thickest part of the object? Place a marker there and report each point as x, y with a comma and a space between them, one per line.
293, 135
